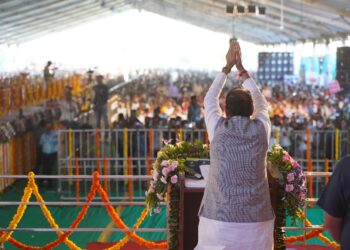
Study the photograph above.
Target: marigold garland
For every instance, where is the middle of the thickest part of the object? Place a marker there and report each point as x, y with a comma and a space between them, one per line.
311, 234
125, 240
32, 188
18, 216
116, 219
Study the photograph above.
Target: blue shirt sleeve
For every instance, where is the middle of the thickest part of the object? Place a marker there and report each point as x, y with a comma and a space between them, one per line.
333, 199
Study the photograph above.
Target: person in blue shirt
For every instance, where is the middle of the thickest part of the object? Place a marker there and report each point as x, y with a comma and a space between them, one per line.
335, 201
194, 111
48, 142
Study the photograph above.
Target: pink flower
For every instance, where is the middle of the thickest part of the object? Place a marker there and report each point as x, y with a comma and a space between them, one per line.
160, 196
289, 188
174, 165
302, 196
165, 171
164, 163
173, 179
151, 189
152, 183
286, 158
290, 177
157, 210
166, 142
162, 179
155, 175
295, 164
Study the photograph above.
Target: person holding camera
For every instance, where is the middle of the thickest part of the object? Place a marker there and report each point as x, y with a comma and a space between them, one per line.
100, 102
236, 211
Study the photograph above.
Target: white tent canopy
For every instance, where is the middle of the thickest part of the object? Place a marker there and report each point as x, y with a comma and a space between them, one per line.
284, 22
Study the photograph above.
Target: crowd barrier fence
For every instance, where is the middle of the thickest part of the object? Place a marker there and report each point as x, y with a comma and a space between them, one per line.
133, 151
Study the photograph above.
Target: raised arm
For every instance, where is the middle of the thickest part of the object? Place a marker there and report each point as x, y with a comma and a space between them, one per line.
259, 102
211, 104
212, 108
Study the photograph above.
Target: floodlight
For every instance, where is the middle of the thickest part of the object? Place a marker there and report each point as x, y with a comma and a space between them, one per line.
229, 8
262, 10
240, 9
251, 9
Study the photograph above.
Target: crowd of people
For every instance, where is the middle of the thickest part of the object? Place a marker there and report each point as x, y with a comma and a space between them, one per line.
179, 94
172, 99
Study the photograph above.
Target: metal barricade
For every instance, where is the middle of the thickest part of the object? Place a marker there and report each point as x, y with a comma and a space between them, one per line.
319, 150
310, 202
132, 151
113, 152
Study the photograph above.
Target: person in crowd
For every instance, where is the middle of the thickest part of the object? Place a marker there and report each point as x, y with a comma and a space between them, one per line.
335, 201
133, 121
119, 141
48, 74
100, 102
68, 107
48, 142
173, 91
236, 211
194, 111
38, 131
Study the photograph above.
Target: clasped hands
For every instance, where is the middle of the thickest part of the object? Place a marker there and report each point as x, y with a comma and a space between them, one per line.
234, 57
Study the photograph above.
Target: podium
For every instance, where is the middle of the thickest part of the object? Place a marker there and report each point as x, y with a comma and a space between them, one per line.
191, 196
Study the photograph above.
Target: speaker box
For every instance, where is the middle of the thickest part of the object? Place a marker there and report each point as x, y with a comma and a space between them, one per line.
274, 65
343, 76
343, 58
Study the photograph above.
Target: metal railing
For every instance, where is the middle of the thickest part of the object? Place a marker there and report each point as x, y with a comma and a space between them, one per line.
305, 228
113, 152
132, 151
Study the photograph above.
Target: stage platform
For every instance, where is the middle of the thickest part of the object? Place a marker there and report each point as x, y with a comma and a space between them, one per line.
133, 246
98, 217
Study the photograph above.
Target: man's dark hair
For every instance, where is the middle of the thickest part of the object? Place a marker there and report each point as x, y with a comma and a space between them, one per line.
239, 102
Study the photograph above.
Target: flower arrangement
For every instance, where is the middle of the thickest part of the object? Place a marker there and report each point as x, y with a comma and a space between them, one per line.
170, 163
291, 193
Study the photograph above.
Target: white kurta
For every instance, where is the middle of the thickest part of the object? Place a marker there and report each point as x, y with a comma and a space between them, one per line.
219, 235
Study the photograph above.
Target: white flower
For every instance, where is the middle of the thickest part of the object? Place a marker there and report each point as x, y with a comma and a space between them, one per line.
164, 163
162, 179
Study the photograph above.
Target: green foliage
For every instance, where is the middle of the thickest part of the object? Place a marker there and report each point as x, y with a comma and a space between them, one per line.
170, 163
291, 190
